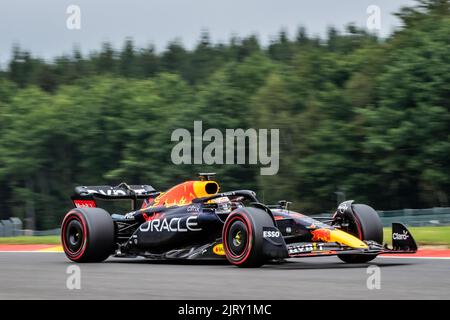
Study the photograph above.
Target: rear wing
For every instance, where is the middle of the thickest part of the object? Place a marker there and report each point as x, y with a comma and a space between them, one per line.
85, 196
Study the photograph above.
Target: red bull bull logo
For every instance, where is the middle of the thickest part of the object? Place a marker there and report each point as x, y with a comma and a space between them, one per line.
321, 235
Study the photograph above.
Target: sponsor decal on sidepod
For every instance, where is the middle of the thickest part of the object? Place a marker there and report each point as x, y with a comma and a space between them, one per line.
172, 225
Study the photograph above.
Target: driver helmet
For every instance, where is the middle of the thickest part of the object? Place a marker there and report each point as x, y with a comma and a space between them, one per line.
223, 205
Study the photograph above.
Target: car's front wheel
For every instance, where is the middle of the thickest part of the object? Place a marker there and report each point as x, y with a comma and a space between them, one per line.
242, 237
364, 223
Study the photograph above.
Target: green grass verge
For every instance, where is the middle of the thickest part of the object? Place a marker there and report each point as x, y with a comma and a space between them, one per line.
423, 236
31, 240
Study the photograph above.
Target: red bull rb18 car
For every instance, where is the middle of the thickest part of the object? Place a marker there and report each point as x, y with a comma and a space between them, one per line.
194, 220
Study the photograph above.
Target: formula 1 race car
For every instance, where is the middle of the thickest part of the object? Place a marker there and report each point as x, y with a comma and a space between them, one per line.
193, 220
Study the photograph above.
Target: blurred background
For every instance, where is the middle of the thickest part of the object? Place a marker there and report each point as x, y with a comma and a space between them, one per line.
363, 114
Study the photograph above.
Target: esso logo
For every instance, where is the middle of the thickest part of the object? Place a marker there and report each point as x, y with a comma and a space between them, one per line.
271, 234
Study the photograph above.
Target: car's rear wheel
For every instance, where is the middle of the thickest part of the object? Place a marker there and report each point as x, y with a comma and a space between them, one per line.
87, 235
365, 224
242, 237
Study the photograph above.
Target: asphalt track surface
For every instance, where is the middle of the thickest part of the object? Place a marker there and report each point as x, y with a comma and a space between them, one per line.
32, 275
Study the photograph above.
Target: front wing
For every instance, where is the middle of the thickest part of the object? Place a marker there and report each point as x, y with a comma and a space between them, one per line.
312, 249
402, 243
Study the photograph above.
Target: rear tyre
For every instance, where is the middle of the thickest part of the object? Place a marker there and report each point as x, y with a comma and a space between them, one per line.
87, 235
364, 224
242, 237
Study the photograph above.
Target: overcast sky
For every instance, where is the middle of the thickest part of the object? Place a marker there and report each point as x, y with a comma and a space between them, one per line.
40, 25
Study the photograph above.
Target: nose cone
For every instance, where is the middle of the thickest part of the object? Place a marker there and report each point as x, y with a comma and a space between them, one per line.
339, 236
347, 239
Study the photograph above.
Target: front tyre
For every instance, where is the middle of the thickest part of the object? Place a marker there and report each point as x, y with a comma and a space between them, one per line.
87, 235
365, 224
242, 237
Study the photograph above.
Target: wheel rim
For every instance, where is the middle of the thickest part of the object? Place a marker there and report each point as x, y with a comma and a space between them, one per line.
74, 236
238, 238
